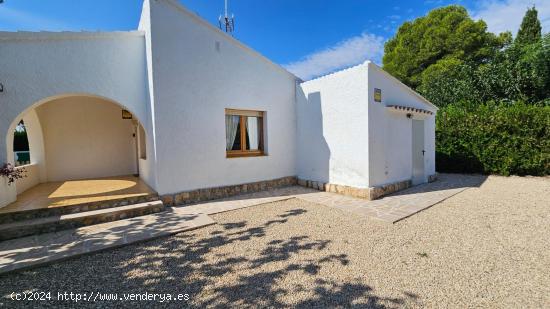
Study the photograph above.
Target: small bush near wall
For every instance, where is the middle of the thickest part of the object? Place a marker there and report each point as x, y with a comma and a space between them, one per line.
11, 173
494, 138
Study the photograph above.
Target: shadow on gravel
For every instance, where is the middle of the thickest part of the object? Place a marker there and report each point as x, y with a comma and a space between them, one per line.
188, 264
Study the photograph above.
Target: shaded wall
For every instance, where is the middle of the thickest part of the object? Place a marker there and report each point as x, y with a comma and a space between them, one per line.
86, 137
333, 128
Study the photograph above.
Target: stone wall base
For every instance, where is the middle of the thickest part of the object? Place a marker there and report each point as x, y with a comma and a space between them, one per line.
366, 193
207, 194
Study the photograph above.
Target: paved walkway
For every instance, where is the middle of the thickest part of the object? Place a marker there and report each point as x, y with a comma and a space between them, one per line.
31, 251
402, 204
41, 249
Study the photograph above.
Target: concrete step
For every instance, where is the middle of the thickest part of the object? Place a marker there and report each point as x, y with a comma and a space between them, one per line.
25, 215
70, 221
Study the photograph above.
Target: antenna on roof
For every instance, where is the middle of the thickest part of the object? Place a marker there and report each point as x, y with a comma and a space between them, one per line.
225, 21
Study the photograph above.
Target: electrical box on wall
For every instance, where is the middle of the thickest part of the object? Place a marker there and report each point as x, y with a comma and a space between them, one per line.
377, 95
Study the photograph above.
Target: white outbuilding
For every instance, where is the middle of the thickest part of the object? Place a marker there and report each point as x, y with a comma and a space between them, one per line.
363, 129
199, 115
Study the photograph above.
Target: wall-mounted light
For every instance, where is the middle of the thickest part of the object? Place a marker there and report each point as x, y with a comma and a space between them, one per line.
1, 85
126, 114
409, 115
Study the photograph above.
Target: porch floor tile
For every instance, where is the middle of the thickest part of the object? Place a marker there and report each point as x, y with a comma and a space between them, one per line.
73, 192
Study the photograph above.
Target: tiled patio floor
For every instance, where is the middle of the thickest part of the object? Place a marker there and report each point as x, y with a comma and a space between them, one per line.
400, 205
73, 192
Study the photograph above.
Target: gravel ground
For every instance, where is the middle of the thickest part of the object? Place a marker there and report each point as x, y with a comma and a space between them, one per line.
485, 247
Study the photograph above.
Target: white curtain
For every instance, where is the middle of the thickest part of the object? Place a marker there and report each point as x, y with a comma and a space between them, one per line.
231, 125
252, 129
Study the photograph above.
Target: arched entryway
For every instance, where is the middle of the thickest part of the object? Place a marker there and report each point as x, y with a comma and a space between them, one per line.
81, 137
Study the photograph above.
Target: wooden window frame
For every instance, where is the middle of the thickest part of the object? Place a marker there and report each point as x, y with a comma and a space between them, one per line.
243, 152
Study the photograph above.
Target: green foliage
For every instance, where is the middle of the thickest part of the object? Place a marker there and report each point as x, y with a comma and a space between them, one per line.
496, 138
448, 81
20, 141
533, 70
446, 32
530, 30
519, 72
456, 64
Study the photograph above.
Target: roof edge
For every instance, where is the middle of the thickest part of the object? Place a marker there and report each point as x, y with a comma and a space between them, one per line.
370, 63
332, 74
63, 35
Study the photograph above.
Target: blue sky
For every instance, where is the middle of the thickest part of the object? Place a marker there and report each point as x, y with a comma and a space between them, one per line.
308, 37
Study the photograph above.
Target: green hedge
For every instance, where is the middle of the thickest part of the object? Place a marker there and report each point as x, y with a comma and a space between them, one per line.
494, 138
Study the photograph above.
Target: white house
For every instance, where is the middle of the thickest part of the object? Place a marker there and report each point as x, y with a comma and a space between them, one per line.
211, 117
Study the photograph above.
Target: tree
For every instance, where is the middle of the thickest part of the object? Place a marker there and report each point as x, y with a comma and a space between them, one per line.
449, 81
530, 30
520, 72
446, 32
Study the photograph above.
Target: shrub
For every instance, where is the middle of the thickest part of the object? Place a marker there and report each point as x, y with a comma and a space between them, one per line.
496, 138
11, 173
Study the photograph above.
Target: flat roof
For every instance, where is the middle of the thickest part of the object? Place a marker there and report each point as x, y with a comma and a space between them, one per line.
66, 35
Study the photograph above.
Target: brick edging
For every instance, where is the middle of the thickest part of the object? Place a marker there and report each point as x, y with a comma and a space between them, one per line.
371, 193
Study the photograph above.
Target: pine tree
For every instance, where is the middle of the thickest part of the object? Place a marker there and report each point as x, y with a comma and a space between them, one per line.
530, 29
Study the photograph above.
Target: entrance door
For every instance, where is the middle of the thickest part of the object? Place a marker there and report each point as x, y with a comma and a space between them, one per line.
418, 151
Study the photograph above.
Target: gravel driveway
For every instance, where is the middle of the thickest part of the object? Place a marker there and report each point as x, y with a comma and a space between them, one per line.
485, 247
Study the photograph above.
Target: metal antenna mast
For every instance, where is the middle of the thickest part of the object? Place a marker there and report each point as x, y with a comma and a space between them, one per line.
226, 21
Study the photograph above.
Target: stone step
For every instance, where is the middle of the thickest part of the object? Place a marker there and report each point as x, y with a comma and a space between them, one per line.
70, 221
25, 215
27, 252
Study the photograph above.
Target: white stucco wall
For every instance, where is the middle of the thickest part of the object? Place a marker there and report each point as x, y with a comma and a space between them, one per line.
36, 144
193, 84
390, 143
147, 167
32, 178
332, 130
36, 67
86, 137
345, 137
8, 193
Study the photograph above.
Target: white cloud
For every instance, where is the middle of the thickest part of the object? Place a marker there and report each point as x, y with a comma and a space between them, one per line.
20, 20
344, 54
506, 15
